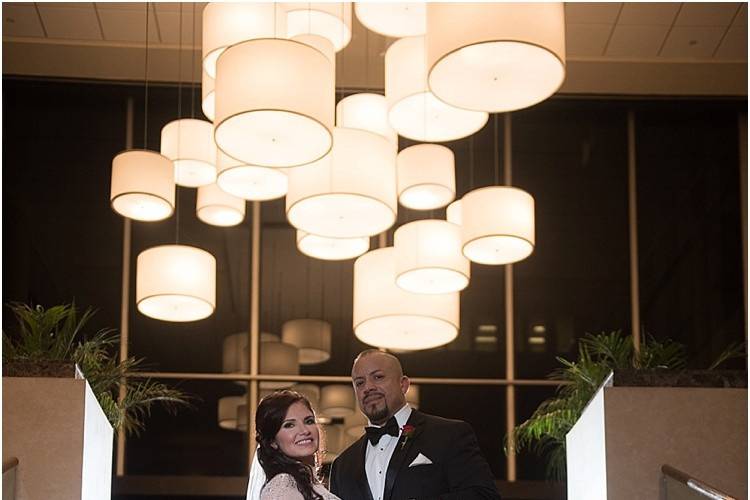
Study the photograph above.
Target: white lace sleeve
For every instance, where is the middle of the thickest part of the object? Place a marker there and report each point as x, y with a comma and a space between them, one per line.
281, 487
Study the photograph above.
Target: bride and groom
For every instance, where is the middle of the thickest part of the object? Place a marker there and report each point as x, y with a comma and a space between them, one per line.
404, 453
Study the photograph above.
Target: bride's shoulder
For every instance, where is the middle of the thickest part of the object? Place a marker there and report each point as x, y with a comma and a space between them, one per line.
280, 486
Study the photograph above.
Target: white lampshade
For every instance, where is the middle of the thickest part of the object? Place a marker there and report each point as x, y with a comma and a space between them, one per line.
390, 317
426, 176
274, 103
249, 182
413, 110
429, 258
189, 144
453, 213
219, 208
334, 442
321, 43
350, 193
329, 20
278, 358
208, 96
497, 225
354, 424
234, 356
337, 400
232, 413
176, 283
412, 396
495, 57
393, 19
366, 111
311, 392
311, 336
321, 247
229, 23
142, 185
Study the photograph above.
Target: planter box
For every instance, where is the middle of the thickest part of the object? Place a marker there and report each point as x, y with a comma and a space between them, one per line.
61, 437
626, 433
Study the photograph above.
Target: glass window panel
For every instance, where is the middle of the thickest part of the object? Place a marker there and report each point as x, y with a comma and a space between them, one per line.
571, 156
190, 443
689, 224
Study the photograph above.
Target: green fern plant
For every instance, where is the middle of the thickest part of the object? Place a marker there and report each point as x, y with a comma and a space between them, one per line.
599, 354
56, 335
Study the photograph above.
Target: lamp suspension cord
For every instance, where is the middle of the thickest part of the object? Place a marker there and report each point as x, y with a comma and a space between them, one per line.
179, 70
307, 288
192, 70
471, 162
145, 92
322, 292
179, 134
497, 155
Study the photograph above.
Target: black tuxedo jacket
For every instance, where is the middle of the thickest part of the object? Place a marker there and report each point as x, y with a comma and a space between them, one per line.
457, 472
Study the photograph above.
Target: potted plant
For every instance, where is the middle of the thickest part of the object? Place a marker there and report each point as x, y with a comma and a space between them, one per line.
598, 355
51, 342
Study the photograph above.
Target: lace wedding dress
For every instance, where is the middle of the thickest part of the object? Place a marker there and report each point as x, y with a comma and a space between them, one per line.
284, 487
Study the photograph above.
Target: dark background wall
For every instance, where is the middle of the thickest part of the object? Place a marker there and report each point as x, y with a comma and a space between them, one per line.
62, 242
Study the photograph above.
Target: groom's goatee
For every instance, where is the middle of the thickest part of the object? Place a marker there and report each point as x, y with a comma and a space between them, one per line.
380, 415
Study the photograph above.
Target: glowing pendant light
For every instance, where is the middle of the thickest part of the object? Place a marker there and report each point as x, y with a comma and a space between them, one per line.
365, 111
228, 23
234, 357
429, 258
412, 396
426, 176
218, 208
495, 57
453, 212
249, 182
329, 20
311, 336
274, 103
354, 424
321, 247
414, 112
208, 96
337, 400
142, 185
232, 413
497, 225
189, 144
278, 358
176, 283
390, 317
350, 193
393, 19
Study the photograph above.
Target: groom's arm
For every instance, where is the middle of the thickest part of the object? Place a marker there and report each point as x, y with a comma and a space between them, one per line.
468, 474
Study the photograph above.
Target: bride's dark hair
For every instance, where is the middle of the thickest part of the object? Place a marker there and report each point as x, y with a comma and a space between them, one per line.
268, 419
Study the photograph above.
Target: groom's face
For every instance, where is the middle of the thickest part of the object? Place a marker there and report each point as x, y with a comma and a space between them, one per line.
380, 386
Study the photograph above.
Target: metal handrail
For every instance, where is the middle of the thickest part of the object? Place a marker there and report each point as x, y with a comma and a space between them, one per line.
9, 463
695, 484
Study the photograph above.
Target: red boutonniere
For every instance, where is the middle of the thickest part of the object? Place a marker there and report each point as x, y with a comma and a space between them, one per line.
407, 431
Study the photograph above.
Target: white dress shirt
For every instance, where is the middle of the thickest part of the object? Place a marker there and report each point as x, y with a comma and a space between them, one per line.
378, 456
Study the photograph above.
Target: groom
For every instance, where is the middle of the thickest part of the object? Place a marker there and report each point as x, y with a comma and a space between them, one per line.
406, 454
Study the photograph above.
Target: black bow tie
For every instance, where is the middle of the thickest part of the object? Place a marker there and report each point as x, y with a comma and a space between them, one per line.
375, 433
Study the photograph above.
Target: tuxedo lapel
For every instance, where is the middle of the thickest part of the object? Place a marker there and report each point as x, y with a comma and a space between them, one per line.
403, 449
362, 483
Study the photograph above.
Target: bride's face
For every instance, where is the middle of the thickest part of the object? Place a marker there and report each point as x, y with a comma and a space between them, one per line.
298, 436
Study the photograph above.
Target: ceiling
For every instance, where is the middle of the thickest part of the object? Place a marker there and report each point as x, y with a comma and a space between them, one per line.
612, 48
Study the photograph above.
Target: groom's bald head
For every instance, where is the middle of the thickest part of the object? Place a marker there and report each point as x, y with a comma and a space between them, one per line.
380, 385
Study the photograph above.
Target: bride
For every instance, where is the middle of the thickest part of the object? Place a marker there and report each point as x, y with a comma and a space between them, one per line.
286, 462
